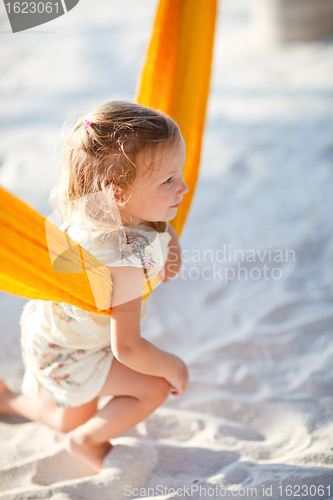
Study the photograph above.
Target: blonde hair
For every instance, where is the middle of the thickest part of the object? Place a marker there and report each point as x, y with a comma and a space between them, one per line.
102, 151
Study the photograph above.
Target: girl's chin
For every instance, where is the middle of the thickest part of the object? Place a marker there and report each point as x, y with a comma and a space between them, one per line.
170, 214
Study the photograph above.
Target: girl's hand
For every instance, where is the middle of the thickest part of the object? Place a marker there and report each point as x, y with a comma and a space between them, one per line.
174, 260
168, 272
161, 274
179, 381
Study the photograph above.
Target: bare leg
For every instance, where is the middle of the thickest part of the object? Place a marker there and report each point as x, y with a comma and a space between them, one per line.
136, 396
63, 419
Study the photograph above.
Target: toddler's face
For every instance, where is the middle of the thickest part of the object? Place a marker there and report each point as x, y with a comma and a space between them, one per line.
156, 195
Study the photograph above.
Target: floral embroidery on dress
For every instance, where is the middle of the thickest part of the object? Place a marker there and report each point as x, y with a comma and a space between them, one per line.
58, 358
59, 310
138, 244
65, 378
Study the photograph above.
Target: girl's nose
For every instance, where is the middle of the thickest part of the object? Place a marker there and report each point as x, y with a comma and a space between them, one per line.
184, 188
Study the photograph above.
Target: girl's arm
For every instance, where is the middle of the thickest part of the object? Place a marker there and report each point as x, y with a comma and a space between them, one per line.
126, 342
174, 260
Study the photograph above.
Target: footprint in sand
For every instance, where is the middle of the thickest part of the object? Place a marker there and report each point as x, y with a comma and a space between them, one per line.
168, 426
44, 471
191, 462
60, 467
130, 462
238, 431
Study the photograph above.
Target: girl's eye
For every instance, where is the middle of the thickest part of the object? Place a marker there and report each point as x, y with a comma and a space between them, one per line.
168, 181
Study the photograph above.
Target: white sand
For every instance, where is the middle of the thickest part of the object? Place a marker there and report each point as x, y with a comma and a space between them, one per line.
258, 411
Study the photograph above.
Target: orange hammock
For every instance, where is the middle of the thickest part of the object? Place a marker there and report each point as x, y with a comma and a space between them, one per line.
176, 77
175, 80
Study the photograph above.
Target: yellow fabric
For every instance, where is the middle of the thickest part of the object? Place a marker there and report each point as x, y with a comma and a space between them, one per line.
176, 75
25, 263
39, 261
175, 80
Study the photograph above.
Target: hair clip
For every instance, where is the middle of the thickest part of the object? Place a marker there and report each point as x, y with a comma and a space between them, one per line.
84, 122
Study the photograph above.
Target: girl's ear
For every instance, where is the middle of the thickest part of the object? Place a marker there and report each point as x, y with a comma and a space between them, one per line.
118, 193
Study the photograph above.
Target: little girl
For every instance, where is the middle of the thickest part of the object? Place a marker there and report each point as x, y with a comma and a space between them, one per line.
121, 184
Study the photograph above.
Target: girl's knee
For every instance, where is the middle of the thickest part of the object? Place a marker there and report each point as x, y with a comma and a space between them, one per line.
159, 391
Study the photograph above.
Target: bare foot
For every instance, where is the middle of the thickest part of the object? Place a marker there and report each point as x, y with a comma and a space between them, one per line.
3, 387
4, 392
91, 453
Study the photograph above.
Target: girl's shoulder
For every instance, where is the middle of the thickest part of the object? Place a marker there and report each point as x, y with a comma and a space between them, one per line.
139, 246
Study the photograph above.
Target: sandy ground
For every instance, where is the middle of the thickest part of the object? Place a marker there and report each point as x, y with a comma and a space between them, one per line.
251, 311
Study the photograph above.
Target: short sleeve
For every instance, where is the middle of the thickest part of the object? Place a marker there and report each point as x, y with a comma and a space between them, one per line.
140, 247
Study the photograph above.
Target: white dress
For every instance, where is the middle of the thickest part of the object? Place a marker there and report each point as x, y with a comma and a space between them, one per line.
66, 350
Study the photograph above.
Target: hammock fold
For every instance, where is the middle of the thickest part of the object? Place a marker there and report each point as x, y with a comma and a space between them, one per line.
26, 267
39, 261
